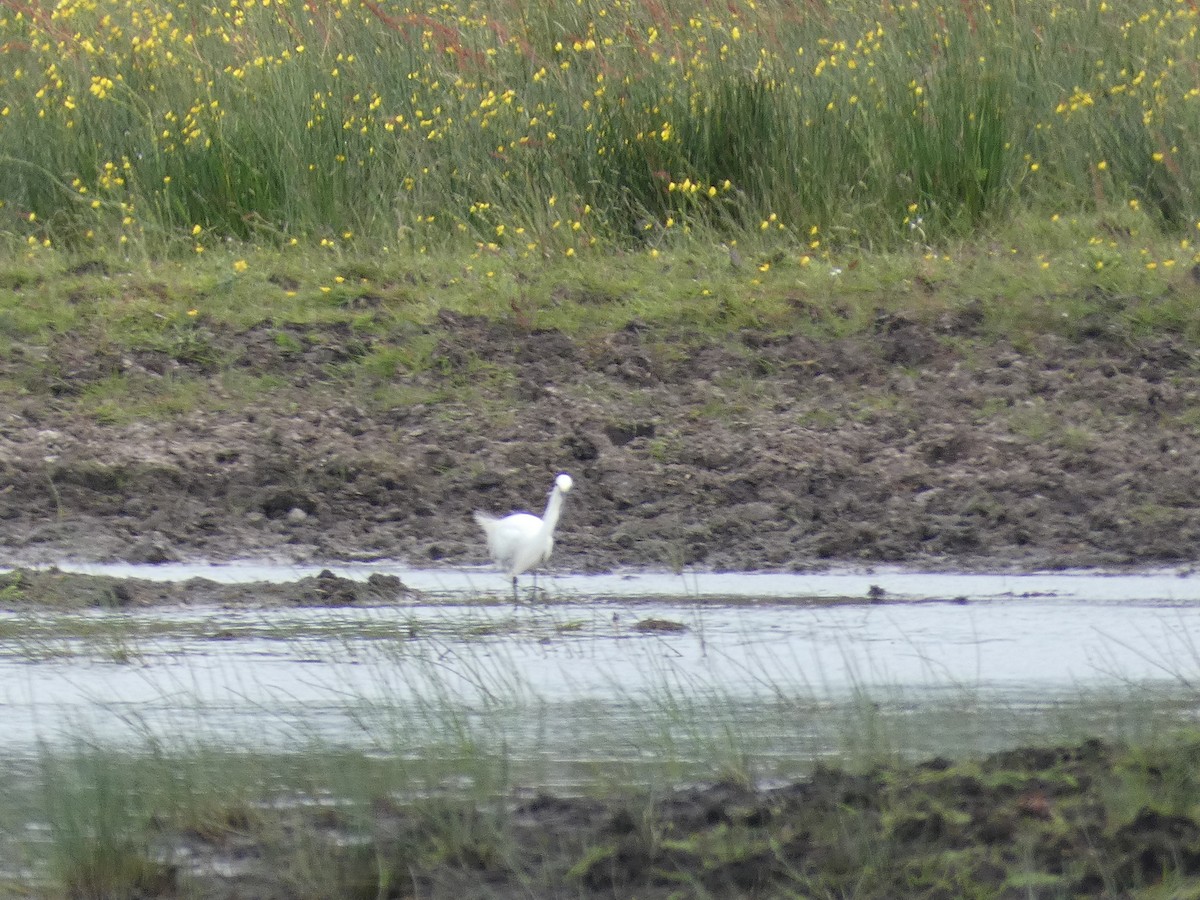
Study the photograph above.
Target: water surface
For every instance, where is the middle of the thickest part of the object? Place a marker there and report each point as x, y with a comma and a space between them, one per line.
575, 676
1152, 586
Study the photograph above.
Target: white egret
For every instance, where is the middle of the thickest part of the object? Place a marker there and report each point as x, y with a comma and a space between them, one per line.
522, 541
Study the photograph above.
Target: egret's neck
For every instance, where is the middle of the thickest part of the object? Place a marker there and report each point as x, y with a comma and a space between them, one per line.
553, 510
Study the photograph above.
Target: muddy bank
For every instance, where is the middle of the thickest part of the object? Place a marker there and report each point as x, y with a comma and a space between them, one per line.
52, 589
919, 443
1087, 820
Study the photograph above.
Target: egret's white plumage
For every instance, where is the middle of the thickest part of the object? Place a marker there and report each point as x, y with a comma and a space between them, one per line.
522, 541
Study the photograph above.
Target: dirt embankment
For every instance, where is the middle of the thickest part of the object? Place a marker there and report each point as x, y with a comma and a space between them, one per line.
917, 443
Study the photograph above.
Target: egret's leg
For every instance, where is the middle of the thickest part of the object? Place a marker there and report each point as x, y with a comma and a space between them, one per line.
516, 598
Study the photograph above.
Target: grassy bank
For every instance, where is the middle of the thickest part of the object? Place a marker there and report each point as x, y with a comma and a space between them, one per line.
204, 207
534, 129
82, 326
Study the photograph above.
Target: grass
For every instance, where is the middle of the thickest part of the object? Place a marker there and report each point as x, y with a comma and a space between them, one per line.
161, 339
324, 821
529, 129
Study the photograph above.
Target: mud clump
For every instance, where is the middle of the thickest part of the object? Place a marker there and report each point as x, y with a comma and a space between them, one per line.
327, 589
659, 626
937, 829
52, 589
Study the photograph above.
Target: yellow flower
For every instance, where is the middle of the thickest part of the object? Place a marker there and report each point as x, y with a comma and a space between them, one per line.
240, 265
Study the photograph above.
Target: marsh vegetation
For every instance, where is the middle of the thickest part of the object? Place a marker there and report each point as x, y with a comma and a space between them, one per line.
786, 287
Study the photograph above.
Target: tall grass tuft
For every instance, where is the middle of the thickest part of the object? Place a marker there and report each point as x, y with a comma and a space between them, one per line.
101, 828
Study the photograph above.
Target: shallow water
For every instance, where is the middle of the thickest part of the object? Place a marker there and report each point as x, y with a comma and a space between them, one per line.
575, 672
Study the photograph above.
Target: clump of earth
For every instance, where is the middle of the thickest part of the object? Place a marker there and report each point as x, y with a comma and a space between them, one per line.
914, 443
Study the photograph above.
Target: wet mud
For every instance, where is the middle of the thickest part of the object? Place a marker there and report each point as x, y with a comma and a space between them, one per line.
921, 443
1088, 820
54, 589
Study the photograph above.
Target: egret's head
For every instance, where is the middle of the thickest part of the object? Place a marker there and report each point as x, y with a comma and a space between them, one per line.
563, 482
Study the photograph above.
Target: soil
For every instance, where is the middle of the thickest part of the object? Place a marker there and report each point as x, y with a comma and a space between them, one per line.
918, 443
1080, 821
53, 589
